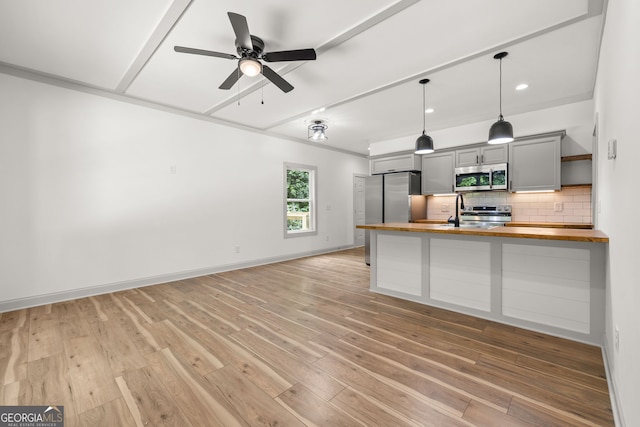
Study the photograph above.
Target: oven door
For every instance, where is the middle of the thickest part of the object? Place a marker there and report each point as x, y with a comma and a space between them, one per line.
481, 178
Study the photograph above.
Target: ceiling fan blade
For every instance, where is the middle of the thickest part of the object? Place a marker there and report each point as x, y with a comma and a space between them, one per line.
290, 55
231, 80
276, 79
240, 27
204, 52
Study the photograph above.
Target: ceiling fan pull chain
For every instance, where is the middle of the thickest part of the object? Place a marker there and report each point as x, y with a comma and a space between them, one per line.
262, 90
238, 87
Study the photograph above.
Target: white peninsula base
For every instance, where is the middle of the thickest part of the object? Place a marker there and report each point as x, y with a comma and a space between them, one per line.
552, 286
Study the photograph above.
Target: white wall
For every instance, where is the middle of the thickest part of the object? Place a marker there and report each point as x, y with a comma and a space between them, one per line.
88, 198
617, 103
576, 119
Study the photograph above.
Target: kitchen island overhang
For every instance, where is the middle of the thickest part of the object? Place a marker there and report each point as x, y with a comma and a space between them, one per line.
547, 280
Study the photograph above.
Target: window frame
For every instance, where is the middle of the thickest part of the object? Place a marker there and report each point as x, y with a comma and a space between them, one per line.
313, 178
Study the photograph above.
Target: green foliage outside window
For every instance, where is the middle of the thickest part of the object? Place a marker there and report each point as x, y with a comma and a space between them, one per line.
297, 184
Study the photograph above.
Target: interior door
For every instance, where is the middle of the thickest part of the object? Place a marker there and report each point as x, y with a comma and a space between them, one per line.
358, 209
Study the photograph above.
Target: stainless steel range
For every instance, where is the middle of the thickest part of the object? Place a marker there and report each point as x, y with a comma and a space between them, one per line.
486, 215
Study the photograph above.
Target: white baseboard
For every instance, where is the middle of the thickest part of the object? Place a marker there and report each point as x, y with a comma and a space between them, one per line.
613, 392
20, 303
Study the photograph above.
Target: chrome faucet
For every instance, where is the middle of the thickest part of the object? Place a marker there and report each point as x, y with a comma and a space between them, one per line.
456, 220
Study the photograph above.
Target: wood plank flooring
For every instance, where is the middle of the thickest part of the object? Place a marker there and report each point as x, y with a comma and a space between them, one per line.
298, 343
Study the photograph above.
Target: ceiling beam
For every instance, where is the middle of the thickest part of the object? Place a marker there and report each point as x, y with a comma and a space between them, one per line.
164, 27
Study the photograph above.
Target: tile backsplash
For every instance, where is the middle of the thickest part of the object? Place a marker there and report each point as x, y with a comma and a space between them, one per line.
574, 204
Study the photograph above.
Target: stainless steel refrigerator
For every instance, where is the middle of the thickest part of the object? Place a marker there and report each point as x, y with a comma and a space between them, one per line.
392, 197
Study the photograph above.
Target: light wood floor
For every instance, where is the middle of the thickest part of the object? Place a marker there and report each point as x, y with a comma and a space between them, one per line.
296, 343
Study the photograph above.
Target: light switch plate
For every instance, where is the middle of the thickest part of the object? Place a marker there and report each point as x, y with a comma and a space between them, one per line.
612, 149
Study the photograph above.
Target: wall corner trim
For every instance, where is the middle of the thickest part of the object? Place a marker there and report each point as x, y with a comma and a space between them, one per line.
613, 393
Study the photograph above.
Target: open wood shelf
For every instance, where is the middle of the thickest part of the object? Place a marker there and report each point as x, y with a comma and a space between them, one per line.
575, 158
577, 185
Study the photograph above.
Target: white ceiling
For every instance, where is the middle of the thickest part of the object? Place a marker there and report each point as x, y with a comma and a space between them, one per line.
371, 54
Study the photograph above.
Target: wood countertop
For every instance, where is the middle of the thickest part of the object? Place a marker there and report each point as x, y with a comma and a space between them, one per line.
524, 224
550, 225
546, 233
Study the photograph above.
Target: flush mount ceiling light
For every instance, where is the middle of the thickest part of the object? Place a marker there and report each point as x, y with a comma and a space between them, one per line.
316, 131
250, 67
501, 131
424, 143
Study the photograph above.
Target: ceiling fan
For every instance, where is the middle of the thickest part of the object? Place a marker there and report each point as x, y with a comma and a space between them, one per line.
250, 49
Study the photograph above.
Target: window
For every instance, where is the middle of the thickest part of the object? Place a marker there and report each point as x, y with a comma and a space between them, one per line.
300, 194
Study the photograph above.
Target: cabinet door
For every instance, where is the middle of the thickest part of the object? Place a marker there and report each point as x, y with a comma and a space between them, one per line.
437, 173
400, 163
494, 154
467, 157
534, 164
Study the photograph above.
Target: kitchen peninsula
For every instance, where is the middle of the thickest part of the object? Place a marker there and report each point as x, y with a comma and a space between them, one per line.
550, 280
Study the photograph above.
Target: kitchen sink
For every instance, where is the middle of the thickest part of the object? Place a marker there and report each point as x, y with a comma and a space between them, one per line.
473, 226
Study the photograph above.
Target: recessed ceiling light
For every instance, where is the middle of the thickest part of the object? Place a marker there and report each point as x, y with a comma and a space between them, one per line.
522, 86
429, 110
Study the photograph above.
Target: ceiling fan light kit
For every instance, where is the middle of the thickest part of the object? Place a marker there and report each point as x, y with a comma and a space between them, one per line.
316, 131
250, 67
424, 143
501, 132
250, 49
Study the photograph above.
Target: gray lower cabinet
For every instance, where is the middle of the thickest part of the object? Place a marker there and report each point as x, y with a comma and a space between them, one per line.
534, 164
437, 172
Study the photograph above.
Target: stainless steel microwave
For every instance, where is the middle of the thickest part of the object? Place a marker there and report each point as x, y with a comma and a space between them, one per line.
481, 177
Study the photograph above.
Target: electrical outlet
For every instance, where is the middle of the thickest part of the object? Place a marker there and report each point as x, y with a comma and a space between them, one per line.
173, 169
612, 149
616, 338
238, 249
557, 207
444, 207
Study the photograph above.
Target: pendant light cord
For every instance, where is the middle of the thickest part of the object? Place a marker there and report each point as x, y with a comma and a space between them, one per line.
424, 113
501, 89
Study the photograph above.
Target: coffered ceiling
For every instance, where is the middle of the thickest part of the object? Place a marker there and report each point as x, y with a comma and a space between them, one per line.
364, 83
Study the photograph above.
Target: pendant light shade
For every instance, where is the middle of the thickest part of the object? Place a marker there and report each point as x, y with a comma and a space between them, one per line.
501, 131
424, 143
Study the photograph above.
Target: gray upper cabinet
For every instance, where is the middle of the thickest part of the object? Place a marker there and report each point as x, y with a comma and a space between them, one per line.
399, 163
437, 172
482, 155
534, 164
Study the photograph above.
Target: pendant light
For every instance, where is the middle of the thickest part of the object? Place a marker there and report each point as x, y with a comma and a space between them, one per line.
501, 131
424, 143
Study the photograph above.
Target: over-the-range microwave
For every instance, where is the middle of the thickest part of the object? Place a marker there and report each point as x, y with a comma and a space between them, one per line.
481, 177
